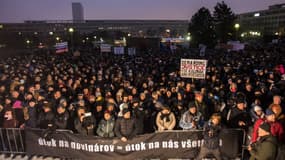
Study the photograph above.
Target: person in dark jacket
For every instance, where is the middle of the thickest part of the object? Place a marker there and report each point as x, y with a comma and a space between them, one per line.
138, 114
125, 127
30, 113
266, 147
61, 117
211, 133
84, 122
10, 120
238, 117
46, 117
201, 105
1, 115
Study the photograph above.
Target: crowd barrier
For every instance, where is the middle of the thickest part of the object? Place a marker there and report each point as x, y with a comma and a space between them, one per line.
12, 141
159, 145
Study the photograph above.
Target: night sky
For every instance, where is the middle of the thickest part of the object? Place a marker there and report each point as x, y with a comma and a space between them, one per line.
20, 10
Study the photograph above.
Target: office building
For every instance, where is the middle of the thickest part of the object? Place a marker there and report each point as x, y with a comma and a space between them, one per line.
267, 22
77, 12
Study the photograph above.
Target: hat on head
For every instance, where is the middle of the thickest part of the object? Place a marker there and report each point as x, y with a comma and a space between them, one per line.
125, 110
135, 100
265, 126
257, 108
17, 104
268, 112
240, 100
62, 100
191, 104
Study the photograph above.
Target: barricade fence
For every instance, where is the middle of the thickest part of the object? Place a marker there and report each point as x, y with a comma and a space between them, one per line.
12, 140
161, 145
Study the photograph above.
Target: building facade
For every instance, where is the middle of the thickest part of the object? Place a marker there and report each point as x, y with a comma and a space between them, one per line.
149, 28
77, 12
264, 22
49, 32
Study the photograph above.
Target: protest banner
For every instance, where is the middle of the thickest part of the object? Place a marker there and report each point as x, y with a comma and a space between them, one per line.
61, 47
131, 51
105, 48
193, 68
119, 50
162, 145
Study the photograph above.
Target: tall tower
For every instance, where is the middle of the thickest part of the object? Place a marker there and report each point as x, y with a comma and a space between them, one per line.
77, 12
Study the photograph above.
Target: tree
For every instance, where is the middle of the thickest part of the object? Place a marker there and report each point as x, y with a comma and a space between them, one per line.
201, 28
224, 22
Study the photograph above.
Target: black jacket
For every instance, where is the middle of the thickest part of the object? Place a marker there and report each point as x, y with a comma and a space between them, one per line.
45, 119
61, 120
211, 135
125, 128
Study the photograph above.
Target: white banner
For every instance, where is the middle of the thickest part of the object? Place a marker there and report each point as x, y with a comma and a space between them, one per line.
131, 51
105, 48
193, 68
119, 50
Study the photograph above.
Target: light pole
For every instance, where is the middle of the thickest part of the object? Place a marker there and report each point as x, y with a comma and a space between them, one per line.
28, 43
71, 30
237, 26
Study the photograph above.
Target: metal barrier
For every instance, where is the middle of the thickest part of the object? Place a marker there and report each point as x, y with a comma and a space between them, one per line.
12, 141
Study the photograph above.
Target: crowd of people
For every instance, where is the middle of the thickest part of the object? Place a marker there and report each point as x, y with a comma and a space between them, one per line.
118, 96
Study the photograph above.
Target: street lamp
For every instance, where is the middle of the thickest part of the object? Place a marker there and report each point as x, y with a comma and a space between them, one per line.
51, 33
28, 43
237, 26
57, 38
188, 38
71, 30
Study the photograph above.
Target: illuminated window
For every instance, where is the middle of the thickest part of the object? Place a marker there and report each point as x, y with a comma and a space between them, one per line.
256, 14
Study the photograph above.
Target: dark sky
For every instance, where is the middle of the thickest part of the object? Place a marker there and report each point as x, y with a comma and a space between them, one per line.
20, 10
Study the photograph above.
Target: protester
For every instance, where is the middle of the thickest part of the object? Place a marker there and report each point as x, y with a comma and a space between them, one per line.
165, 119
61, 117
238, 117
46, 117
211, 133
191, 119
138, 114
256, 113
126, 127
275, 127
106, 126
266, 146
10, 120
30, 114
201, 105
84, 123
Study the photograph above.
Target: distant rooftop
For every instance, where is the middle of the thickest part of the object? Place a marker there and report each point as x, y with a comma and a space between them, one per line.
277, 6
